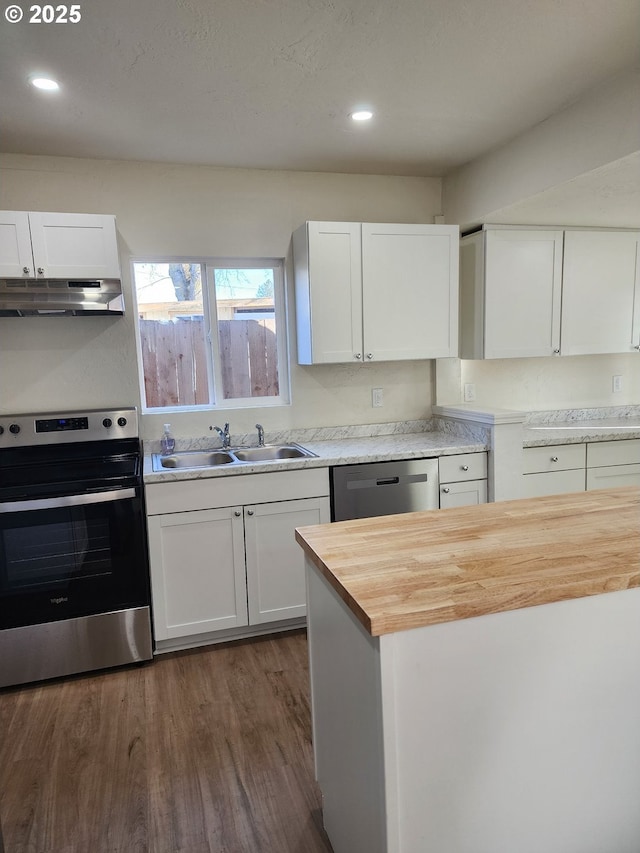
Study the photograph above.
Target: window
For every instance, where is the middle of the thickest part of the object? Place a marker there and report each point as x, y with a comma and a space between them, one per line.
211, 333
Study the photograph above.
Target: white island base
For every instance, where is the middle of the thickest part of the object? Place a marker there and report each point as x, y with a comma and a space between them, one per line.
511, 732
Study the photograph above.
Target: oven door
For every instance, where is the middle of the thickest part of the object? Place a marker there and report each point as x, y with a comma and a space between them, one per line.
73, 555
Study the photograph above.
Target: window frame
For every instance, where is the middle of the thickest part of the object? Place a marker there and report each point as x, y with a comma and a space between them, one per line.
208, 265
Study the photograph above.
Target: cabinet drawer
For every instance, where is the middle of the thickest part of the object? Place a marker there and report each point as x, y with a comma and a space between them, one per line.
466, 466
555, 457
555, 483
608, 477
625, 452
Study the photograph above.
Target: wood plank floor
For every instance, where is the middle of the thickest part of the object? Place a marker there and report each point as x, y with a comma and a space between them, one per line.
206, 751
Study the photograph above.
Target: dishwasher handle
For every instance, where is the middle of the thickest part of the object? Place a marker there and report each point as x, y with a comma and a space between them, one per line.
402, 480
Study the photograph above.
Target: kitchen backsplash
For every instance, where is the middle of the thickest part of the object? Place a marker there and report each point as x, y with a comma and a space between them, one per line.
211, 439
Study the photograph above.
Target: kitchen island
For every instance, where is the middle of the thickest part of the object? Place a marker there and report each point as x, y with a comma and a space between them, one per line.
475, 677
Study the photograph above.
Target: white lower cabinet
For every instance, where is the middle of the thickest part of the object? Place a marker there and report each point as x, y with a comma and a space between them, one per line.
553, 483
197, 572
556, 469
463, 494
613, 463
553, 470
276, 587
229, 567
614, 475
463, 480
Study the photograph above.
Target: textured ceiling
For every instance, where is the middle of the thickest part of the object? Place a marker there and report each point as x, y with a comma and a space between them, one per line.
270, 83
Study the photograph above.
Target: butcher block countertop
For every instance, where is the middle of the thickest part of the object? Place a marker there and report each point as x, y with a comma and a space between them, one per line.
406, 571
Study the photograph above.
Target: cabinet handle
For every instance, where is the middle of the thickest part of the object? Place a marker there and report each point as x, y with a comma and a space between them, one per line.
556, 352
554, 458
25, 270
464, 467
637, 347
237, 513
357, 355
40, 270
445, 489
369, 355
249, 512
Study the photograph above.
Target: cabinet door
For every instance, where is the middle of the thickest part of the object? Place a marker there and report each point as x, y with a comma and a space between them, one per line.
471, 493
16, 258
327, 257
275, 562
523, 279
74, 245
410, 291
197, 572
599, 287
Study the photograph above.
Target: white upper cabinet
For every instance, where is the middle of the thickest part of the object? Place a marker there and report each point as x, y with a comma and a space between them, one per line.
541, 292
328, 274
378, 292
510, 284
600, 292
410, 291
58, 245
16, 257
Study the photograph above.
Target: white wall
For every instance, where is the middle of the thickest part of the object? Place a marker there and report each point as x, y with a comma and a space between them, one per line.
67, 362
599, 129
532, 384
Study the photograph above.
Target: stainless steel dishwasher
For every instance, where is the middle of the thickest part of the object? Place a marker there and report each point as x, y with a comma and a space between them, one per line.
383, 488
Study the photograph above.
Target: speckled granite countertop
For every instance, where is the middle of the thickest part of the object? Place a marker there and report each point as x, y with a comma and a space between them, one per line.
438, 436
578, 426
334, 446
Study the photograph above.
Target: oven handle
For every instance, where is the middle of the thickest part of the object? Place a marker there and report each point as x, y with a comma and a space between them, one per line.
68, 500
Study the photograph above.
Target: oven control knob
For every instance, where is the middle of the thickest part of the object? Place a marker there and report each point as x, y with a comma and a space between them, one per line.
14, 429
107, 422
122, 421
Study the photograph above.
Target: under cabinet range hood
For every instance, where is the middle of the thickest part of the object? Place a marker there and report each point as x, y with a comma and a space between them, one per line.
61, 297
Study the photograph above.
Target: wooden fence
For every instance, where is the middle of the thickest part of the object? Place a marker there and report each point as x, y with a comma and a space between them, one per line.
175, 362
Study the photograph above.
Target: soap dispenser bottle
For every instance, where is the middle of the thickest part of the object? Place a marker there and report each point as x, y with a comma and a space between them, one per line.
167, 442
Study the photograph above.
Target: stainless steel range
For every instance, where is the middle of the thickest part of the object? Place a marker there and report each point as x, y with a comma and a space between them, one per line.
74, 576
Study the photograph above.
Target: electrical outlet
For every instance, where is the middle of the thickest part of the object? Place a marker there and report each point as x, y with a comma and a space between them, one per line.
376, 398
616, 384
469, 392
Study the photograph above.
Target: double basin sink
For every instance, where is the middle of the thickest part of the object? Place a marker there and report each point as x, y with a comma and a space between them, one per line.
233, 456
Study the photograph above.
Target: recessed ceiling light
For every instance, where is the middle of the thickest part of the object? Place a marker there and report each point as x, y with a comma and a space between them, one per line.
362, 115
47, 84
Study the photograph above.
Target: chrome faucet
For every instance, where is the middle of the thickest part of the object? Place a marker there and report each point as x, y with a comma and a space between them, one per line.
224, 435
260, 429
